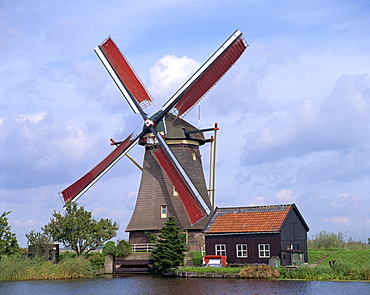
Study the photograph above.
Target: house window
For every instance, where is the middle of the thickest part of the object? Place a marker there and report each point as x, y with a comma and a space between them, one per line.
220, 249
241, 251
292, 246
194, 155
264, 250
175, 193
163, 211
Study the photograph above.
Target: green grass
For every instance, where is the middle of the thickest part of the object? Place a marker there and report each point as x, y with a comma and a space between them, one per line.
357, 258
315, 254
210, 269
350, 264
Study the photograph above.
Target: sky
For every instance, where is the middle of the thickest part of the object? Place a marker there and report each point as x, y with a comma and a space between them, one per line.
293, 112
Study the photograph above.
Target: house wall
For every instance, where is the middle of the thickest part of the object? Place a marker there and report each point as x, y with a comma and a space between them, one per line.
294, 233
252, 241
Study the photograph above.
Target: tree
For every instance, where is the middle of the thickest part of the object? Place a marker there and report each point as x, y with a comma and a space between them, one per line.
8, 240
77, 229
41, 243
169, 251
327, 240
152, 237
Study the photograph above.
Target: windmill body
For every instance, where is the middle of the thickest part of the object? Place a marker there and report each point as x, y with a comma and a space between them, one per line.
172, 182
157, 198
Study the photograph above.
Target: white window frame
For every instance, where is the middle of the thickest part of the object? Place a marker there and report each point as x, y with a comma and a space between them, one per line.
163, 211
241, 251
220, 249
264, 250
175, 193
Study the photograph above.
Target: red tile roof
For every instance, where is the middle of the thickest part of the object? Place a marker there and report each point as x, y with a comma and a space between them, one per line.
248, 219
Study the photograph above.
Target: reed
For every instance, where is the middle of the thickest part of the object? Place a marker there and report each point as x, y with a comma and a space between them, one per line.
18, 268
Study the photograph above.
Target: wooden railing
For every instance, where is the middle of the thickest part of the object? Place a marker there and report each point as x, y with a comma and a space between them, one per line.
142, 248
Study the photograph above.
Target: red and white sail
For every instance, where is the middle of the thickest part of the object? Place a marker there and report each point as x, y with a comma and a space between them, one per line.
207, 75
78, 188
122, 74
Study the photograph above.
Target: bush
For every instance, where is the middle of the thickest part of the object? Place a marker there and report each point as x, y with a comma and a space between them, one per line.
109, 247
97, 260
261, 271
196, 258
122, 248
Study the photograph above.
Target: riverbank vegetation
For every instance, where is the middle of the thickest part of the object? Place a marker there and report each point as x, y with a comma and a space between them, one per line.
16, 267
350, 264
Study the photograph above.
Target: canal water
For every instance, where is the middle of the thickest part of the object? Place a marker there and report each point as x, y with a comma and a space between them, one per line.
148, 284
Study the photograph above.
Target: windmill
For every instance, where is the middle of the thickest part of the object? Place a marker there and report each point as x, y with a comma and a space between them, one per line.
172, 180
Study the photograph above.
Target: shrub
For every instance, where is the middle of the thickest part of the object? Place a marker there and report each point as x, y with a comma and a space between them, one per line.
196, 258
97, 260
327, 240
122, 248
261, 271
109, 247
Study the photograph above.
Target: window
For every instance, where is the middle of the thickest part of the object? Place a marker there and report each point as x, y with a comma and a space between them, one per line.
264, 251
175, 193
163, 211
241, 251
220, 249
194, 156
292, 246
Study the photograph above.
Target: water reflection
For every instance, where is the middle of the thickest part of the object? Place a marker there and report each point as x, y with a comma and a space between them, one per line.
147, 284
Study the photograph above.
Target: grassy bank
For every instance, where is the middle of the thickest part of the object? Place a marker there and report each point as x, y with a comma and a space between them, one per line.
14, 268
350, 264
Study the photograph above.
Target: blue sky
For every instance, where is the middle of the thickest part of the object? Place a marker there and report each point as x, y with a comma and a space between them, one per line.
293, 112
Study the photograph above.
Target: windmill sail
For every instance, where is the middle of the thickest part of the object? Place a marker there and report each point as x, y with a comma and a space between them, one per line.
207, 75
122, 74
77, 189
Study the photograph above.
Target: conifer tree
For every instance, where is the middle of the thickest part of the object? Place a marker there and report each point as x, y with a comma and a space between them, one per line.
169, 251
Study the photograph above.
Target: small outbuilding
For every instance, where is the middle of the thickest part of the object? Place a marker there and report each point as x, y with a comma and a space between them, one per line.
257, 234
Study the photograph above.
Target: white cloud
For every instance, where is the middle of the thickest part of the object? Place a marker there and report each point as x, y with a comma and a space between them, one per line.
39, 149
286, 196
343, 196
103, 212
28, 223
344, 200
170, 73
339, 220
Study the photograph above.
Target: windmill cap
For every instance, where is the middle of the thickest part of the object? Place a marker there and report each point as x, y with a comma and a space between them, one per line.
174, 128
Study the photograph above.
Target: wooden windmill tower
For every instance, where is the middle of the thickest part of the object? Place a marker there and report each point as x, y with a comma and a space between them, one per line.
172, 182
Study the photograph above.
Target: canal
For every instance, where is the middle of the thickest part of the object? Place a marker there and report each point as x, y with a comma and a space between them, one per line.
149, 284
